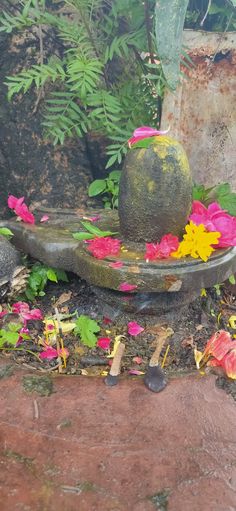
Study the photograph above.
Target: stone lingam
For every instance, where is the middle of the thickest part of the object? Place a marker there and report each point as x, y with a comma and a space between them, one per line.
155, 199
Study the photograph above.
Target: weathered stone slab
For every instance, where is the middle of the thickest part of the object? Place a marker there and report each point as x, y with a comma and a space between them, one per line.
91, 448
202, 114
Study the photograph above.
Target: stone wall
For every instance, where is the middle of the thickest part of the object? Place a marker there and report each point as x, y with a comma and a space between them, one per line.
30, 165
201, 114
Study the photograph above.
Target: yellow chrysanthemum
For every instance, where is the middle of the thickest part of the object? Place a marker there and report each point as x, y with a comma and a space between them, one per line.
197, 242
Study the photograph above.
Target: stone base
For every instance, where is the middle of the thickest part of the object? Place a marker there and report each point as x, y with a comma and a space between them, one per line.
160, 304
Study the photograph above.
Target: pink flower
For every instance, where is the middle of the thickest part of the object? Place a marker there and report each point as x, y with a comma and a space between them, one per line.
116, 265
134, 328
104, 343
22, 308
144, 132
103, 247
44, 218
162, 250
49, 353
3, 313
125, 286
20, 209
214, 218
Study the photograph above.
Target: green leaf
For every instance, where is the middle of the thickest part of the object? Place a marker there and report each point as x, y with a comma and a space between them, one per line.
146, 142
96, 231
115, 175
86, 329
98, 186
61, 275
4, 231
82, 236
51, 275
226, 198
232, 280
169, 21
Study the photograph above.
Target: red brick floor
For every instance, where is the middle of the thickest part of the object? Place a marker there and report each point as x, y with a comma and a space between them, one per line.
87, 447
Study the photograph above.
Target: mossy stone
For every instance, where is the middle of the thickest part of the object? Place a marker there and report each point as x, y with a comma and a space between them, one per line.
155, 191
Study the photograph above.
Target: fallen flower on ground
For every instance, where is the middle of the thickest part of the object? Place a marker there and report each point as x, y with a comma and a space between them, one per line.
125, 286
228, 363
214, 218
134, 328
162, 250
104, 343
197, 242
23, 309
20, 209
103, 247
232, 321
144, 132
50, 353
222, 349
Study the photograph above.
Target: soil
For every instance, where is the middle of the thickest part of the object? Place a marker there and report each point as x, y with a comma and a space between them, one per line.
191, 330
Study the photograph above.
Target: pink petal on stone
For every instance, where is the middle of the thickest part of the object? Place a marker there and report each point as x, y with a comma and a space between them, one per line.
125, 286
116, 265
138, 360
144, 132
134, 328
44, 218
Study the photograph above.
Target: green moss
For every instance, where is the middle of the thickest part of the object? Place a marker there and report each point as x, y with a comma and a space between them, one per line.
41, 384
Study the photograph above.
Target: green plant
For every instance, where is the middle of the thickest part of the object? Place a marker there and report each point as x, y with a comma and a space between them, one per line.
111, 78
221, 193
39, 276
108, 187
92, 232
10, 335
217, 15
4, 231
86, 329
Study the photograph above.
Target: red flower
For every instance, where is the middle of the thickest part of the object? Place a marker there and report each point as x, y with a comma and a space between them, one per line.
104, 343
20, 209
228, 363
162, 250
219, 344
103, 247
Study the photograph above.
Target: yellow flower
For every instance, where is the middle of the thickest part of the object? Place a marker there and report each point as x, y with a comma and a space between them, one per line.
197, 242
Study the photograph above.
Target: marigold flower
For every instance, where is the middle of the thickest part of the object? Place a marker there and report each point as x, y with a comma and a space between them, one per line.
103, 247
197, 242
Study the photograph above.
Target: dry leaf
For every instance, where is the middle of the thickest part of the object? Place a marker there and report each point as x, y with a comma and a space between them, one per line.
63, 298
187, 342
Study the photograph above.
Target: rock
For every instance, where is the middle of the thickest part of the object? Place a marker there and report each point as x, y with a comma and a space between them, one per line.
9, 262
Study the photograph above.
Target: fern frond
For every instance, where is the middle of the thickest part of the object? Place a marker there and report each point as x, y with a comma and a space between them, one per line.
37, 75
83, 75
64, 117
9, 22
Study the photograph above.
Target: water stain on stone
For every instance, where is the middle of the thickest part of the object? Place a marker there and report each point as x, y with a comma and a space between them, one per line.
41, 384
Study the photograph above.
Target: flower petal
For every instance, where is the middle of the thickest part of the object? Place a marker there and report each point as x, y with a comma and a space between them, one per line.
134, 328
125, 286
104, 343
